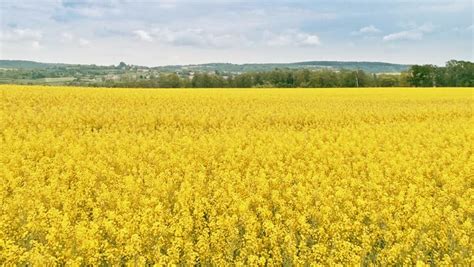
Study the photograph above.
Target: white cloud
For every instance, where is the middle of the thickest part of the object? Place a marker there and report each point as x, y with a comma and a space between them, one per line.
414, 34
277, 39
226, 40
197, 37
35, 45
235, 26
143, 35
90, 12
84, 42
21, 34
427, 27
67, 37
404, 35
367, 30
309, 39
291, 38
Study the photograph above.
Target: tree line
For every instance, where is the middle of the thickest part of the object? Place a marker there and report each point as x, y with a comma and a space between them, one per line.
453, 74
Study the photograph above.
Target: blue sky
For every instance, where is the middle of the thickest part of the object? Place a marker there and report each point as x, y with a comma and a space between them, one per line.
163, 32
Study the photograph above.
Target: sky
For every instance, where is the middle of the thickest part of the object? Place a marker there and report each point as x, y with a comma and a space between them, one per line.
168, 32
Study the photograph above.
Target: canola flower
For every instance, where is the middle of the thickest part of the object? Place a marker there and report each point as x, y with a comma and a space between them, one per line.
236, 177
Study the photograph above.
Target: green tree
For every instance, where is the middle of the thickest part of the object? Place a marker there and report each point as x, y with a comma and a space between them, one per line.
459, 73
388, 80
170, 81
423, 75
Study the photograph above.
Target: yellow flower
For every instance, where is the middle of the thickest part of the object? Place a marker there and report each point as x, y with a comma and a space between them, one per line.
247, 177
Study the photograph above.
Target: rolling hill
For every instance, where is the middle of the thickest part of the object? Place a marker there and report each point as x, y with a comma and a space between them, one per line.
374, 67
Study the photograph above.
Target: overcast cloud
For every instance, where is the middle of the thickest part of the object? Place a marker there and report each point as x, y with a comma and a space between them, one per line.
162, 32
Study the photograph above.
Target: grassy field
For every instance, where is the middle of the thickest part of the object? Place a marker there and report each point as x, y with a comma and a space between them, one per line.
249, 177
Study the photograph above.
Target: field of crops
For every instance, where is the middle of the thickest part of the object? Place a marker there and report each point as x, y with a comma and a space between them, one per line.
249, 177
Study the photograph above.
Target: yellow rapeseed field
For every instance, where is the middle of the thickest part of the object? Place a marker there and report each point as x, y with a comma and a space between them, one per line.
236, 177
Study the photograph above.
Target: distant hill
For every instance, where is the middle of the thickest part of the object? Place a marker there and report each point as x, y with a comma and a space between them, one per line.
374, 67
25, 64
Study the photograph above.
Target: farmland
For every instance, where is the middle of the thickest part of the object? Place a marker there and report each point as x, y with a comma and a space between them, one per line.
236, 176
